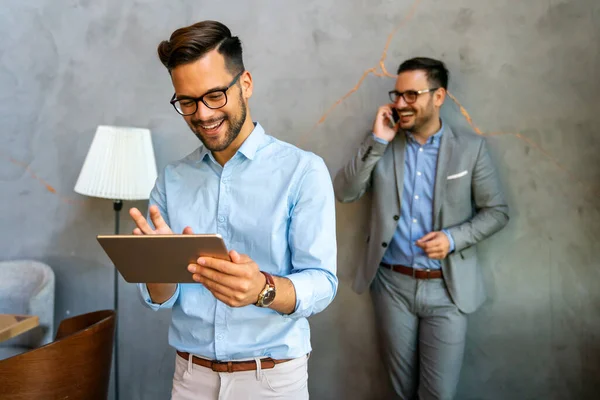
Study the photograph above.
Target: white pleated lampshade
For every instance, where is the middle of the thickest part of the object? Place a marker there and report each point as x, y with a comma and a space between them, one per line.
120, 164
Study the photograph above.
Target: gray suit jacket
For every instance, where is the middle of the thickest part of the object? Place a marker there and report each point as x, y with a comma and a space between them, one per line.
468, 201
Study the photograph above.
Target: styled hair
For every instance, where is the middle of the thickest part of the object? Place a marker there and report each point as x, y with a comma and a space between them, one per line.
191, 43
436, 71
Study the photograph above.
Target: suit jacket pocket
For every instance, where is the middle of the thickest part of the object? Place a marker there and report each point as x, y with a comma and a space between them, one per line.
468, 252
458, 189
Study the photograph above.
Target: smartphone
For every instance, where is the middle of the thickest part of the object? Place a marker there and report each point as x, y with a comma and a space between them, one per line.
395, 118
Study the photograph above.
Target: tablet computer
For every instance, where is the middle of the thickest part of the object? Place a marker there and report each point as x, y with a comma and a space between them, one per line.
160, 258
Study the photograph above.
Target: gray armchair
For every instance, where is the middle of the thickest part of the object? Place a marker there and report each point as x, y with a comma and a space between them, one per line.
27, 288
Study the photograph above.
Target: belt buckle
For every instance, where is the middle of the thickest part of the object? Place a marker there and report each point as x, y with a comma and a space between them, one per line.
427, 270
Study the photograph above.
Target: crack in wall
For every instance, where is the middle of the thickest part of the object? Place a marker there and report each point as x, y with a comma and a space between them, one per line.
379, 71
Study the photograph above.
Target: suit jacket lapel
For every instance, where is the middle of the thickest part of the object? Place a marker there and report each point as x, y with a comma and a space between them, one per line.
398, 148
445, 152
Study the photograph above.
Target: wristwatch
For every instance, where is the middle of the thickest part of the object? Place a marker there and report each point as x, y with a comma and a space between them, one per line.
266, 297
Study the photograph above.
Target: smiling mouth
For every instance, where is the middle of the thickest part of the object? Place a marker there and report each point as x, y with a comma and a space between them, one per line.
212, 126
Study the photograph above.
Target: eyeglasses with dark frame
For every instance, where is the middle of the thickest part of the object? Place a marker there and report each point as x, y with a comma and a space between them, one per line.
410, 96
214, 99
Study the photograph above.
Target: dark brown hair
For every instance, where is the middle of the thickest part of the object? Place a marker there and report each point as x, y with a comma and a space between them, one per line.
437, 74
189, 44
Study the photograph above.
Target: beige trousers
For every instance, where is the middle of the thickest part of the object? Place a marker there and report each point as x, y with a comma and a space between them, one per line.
286, 381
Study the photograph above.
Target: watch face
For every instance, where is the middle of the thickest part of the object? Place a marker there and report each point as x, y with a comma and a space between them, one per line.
268, 298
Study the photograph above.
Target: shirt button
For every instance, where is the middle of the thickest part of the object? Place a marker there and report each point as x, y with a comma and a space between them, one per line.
396, 217
219, 337
384, 244
221, 218
417, 197
418, 173
420, 149
414, 220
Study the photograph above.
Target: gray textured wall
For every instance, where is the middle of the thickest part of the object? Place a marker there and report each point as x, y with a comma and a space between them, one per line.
526, 71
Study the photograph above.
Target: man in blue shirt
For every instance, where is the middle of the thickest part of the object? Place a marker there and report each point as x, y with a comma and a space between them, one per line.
241, 332
435, 196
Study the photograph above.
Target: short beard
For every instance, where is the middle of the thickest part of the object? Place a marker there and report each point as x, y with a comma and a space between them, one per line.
422, 120
235, 127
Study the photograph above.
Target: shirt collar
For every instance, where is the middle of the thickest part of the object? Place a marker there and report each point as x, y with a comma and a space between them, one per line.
253, 142
432, 139
248, 148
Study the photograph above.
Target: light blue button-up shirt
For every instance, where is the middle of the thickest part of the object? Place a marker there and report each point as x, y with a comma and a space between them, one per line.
273, 202
416, 214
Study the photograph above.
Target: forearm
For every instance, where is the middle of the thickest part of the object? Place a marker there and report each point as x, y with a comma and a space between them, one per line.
161, 292
285, 298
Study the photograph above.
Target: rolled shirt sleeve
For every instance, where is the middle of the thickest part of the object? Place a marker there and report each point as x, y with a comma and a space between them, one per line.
312, 240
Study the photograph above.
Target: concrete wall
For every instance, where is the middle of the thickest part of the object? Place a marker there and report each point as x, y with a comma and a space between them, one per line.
525, 71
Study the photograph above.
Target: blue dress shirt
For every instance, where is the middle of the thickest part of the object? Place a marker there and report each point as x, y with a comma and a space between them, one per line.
273, 202
416, 214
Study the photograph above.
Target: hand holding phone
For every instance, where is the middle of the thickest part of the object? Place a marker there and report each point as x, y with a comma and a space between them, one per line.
385, 123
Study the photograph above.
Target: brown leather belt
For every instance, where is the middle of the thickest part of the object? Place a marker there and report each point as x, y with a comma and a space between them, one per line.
232, 366
415, 273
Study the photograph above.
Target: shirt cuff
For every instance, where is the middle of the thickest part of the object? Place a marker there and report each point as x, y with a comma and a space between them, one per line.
378, 139
450, 239
155, 306
303, 286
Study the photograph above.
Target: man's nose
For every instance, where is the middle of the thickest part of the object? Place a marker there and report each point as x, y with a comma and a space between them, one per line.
203, 113
400, 102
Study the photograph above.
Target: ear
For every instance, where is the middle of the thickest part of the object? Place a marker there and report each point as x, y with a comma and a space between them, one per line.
246, 84
439, 97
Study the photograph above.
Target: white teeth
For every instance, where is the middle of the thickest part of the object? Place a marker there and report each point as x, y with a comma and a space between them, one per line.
209, 127
406, 113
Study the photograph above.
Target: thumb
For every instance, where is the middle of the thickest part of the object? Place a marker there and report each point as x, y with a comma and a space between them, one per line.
239, 258
429, 236
187, 231
235, 257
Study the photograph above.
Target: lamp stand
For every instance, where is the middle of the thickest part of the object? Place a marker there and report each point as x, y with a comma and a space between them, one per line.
117, 206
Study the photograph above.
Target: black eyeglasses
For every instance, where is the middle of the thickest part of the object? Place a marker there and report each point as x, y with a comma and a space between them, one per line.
213, 99
410, 96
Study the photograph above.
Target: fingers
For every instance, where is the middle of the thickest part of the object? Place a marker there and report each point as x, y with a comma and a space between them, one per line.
214, 287
137, 231
428, 237
187, 231
435, 256
232, 283
231, 290
157, 219
140, 222
433, 245
226, 267
385, 112
430, 245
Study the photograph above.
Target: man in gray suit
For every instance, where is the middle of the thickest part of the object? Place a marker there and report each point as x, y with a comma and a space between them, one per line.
435, 196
